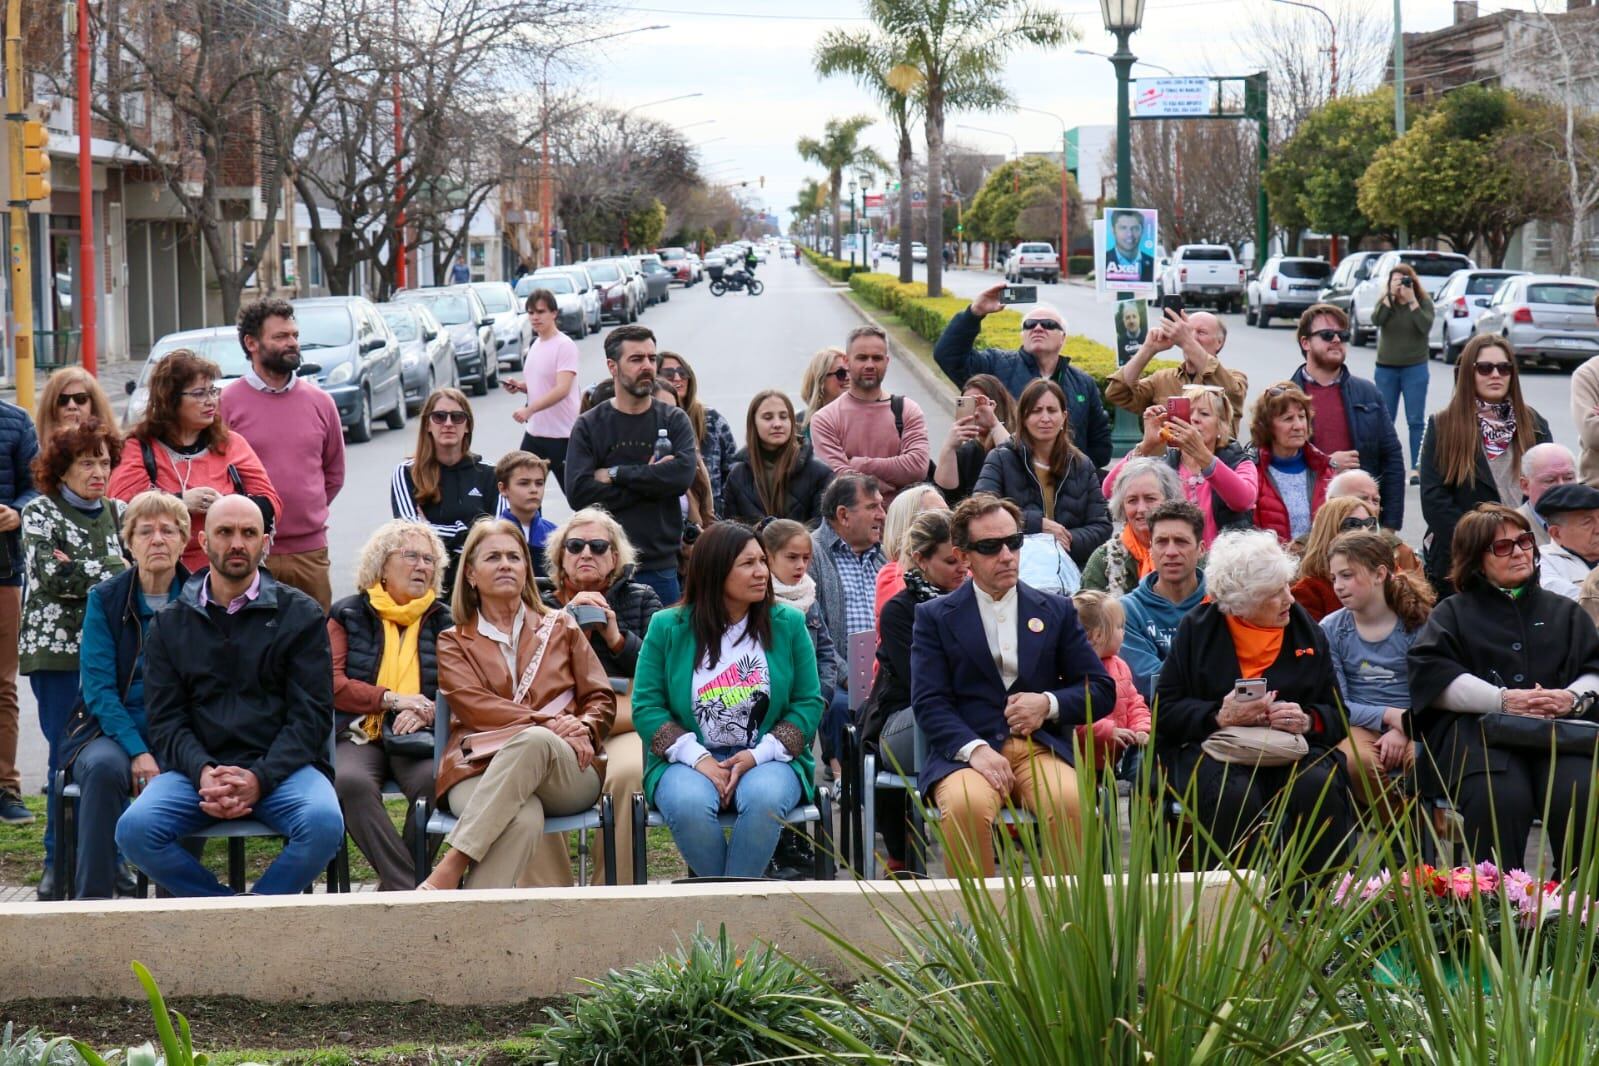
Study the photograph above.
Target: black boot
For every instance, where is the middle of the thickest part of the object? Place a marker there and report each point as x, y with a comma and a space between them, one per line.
47, 884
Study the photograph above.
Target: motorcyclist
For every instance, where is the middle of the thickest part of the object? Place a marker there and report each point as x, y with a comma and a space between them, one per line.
750, 260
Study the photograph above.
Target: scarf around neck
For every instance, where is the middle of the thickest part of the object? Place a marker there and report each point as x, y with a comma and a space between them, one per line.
799, 595
1497, 424
922, 589
1139, 552
400, 669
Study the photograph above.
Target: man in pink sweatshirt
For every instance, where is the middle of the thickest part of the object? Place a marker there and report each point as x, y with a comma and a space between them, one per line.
295, 430
867, 429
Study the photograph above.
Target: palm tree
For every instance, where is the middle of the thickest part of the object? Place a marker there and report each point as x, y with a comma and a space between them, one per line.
953, 43
809, 203
840, 149
888, 74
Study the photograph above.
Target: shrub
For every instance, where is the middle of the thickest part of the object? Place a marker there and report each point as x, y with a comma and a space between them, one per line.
1078, 265
837, 269
707, 1003
32, 1049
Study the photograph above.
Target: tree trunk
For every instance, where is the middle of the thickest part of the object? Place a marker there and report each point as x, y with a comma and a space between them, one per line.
934, 208
835, 181
907, 155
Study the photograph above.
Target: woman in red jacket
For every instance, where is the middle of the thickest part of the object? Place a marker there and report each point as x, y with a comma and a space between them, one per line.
1293, 472
183, 447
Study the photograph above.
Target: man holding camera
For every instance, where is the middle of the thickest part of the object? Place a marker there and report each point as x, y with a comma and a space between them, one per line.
1199, 338
1041, 355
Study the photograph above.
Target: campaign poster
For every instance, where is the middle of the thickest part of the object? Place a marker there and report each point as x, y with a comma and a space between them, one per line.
1132, 328
1125, 239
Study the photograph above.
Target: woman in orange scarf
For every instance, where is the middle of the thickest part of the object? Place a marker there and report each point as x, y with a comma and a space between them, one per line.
1119, 564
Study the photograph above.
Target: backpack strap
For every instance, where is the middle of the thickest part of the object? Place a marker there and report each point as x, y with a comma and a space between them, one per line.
896, 404
148, 452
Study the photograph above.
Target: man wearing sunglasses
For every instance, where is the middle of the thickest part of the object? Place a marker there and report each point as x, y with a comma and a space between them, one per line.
1199, 338
1572, 512
1544, 467
1000, 676
1351, 423
1040, 356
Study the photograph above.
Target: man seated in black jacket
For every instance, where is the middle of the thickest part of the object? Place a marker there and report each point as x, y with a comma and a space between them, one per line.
238, 690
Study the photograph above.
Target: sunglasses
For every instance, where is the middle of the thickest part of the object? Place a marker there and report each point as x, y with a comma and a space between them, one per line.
1503, 370
439, 418
1352, 522
77, 399
1041, 323
840, 374
673, 373
1329, 335
575, 546
993, 545
1505, 545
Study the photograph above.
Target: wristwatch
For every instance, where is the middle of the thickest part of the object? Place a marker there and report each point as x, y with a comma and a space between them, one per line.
611, 472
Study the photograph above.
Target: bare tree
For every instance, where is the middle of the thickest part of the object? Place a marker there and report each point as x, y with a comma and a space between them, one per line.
612, 164
1200, 176
1568, 61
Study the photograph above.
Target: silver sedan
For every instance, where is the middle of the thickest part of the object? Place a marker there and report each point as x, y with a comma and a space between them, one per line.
1549, 318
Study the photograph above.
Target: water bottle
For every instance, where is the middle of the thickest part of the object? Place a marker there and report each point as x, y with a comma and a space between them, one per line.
663, 446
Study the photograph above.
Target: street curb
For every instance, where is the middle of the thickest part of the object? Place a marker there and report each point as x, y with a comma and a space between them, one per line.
931, 380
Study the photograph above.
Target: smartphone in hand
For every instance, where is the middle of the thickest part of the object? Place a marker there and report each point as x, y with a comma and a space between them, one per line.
1249, 688
1179, 407
1019, 294
1172, 301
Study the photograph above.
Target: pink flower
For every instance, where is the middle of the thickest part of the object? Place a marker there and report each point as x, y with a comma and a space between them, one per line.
1488, 876
1462, 882
1375, 886
1343, 888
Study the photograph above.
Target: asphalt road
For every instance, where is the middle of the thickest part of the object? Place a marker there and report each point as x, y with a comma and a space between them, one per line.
738, 344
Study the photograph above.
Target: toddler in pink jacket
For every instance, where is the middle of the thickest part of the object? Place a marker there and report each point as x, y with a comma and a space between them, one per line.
1104, 622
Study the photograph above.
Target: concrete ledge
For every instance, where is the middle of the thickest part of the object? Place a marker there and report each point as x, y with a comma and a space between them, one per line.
496, 947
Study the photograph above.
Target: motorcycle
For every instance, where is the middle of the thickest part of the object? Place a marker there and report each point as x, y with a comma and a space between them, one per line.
735, 282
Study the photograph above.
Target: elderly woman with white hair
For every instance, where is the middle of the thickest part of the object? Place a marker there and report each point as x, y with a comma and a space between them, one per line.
385, 679
1119, 564
1249, 707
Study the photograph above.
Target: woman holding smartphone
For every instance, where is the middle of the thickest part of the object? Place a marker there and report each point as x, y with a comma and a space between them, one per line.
1403, 317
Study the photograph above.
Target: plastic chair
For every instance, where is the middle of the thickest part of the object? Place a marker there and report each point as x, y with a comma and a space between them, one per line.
818, 815
432, 821
859, 665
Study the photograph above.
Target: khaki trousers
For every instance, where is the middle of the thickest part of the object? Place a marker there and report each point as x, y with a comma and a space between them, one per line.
10, 633
1367, 779
1046, 785
624, 775
501, 812
306, 571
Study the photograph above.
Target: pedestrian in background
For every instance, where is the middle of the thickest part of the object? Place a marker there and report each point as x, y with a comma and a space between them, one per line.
18, 446
295, 430
1403, 318
550, 387
825, 379
869, 430
444, 483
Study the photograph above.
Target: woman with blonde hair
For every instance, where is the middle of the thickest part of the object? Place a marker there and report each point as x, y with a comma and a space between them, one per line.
530, 708
385, 641
70, 395
444, 483
1314, 589
907, 504
824, 380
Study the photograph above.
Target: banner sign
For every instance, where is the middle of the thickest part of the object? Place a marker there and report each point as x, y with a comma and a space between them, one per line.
1171, 97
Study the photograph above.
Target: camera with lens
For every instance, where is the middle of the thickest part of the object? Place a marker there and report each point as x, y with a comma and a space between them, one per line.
586, 615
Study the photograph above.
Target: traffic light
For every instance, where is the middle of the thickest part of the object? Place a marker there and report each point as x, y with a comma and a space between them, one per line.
763, 181
35, 161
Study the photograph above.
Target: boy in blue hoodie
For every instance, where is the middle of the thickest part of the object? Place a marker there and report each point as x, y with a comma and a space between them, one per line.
521, 476
1156, 607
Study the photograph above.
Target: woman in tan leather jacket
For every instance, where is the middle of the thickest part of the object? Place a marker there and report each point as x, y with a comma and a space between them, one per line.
530, 707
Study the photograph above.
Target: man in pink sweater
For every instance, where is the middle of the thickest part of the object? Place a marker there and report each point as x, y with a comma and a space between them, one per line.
867, 429
295, 430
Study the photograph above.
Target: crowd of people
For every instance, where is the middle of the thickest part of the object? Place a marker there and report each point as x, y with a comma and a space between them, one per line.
1231, 600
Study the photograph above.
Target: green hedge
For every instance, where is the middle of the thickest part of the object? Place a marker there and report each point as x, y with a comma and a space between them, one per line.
1078, 265
837, 269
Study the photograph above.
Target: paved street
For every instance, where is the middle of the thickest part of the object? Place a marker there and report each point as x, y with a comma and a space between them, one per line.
738, 344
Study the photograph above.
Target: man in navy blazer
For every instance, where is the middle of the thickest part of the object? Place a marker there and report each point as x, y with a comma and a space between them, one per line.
1001, 675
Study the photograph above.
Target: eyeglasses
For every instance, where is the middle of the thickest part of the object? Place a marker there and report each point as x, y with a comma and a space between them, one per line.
1278, 390
202, 395
1357, 523
1329, 335
77, 399
439, 418
575, 546
840, 375
673, 373
1490, 369
993, 545
1505, 545
415, 557
1041, 323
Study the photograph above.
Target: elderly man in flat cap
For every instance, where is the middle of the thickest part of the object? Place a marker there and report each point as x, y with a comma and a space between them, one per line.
1572, 514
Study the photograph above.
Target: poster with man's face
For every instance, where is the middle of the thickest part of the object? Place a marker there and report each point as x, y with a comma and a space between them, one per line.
1132, 327
1126, 243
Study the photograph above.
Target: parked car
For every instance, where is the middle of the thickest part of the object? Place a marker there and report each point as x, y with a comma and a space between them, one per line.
634, 277
571, 316
426, 358
1285, 287
220, 344
677, 261
513, 332
359, 359
1353, 269
918, 252
1033, 259
616, 294
1433, 268
658, 281
1547, 318
1457, 307
471, 331
1204, 274
586, 288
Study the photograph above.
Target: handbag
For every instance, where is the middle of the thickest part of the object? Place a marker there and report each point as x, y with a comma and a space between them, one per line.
482, 745
1047, 567
1561, 736
1255, 745
415, 745
81, 728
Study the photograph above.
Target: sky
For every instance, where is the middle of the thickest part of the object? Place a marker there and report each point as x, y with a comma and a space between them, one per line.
751, 63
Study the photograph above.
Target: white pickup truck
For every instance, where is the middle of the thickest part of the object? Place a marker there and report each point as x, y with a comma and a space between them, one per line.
1205, 274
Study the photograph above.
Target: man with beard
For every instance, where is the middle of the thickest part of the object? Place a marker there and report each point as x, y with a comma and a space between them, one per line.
611, 461
238, 690
867, 429
294, 428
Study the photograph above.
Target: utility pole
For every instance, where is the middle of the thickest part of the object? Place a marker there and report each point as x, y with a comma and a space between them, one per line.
1399, 92
399, 166
21, 260
88, 280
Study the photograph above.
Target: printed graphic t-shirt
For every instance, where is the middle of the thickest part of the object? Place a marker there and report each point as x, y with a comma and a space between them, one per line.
731, 695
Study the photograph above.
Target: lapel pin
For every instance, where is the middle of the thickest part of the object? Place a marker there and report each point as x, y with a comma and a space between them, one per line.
1036, 625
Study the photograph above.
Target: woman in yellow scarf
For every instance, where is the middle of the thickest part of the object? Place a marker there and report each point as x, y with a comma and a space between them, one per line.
385, 669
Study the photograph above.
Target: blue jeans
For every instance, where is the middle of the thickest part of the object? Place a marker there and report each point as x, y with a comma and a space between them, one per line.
304, 809
1411, 383
56, 692
103, 772
664, 582
834, 717
688, 801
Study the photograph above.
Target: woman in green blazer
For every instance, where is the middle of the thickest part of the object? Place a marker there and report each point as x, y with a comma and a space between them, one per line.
726, 700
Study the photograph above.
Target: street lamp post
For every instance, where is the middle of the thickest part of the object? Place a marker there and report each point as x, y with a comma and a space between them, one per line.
1065, 202
852, 229
1122, 18
865, 183
1332, 90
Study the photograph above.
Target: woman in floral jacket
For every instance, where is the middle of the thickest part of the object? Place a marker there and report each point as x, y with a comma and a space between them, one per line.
71, 541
